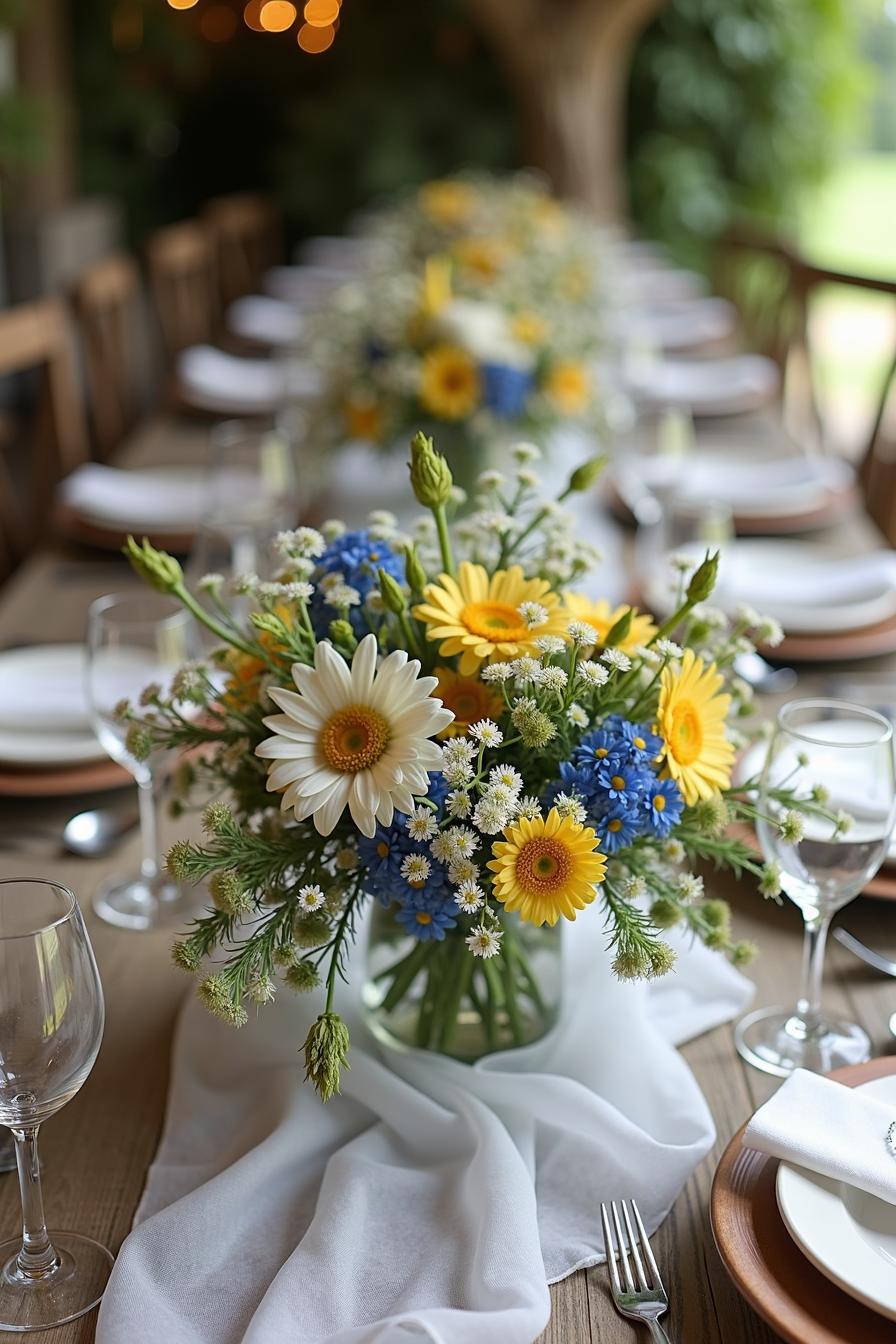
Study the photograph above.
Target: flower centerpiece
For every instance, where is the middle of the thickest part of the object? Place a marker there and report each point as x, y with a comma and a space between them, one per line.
477, 314
449, 733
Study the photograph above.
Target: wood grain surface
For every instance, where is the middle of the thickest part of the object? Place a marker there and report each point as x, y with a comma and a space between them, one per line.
96, 1151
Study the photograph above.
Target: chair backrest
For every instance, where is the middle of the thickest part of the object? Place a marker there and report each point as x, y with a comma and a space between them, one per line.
108, 302
181, 277
37, 336
245, 231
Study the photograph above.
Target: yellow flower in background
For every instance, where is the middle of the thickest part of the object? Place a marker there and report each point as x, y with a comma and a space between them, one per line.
484, 258
364, 419
546, 867
468, 698
449, 383
447, 203
568, 386
528, 328
603, 618
550, 216
477, 615
691, 721
435, 290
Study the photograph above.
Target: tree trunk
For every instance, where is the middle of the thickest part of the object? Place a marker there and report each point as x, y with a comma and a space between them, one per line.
568, 62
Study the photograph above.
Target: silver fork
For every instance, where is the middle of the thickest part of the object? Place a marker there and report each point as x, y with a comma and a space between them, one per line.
645, 1301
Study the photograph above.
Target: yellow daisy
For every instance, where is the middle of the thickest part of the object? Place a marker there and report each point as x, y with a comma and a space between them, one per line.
477, 615
691, 720
449, 383
468, 698
529, 328
568, 386
447, 203
546, 867
435, 287
483, 258
603, 618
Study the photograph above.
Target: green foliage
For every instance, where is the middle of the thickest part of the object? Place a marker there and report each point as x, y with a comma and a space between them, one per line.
735, 106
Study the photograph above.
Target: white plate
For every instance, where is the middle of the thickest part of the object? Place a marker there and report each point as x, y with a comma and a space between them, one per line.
848, 1235
44, 718
153, 499
729, 385
769, 488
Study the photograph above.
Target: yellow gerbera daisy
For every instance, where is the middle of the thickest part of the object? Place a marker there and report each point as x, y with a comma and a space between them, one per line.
468, 698
568, 386
478, 615
691, 721
449, 383
546, 867
603, 618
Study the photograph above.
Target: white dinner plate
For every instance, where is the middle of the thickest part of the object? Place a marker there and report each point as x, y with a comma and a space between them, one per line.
763, 488
729, 385
848, 1235
152, 499
44, 717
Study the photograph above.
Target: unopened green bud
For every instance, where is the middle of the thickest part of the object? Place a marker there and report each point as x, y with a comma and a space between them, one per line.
215, 995
185, 956
620, 631
138, 742
664, 913
217, 819
743, 953
431, 477
343, 636
703, 580
585, 475
416, 574
302, 976
662, 958
228, 893
393, 593
158, 568
631, 963
269, 623
326, 1054
178, 860
717, 914
311, 930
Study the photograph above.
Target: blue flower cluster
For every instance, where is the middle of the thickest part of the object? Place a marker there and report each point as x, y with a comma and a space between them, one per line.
505, 389
358, 557
424, 909
614, 773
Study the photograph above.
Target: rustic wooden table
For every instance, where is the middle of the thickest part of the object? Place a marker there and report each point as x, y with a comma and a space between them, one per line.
96, 1151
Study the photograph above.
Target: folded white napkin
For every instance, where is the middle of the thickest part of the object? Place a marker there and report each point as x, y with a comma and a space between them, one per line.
165, 497
42, 690
305, 286
430, 1200
707, 386
213, 378
834, 1130
258, 317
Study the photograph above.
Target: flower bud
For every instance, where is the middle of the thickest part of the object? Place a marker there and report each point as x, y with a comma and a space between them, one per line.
414, 570
703, 580
585, 475
393, 593
431, 477
326, 1052
158, 568
343, 636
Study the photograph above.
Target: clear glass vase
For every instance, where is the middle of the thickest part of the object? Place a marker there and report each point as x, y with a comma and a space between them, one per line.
438, 996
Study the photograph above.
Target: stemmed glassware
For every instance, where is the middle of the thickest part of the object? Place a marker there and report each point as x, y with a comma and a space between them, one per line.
839, 758
51, 1026
134, 640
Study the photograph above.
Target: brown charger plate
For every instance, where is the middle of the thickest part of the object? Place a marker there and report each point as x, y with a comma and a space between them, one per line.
834, 506
71, 525
764, 1262
867, 642
91, 777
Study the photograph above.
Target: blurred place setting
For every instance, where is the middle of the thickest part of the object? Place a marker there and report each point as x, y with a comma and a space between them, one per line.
448, 671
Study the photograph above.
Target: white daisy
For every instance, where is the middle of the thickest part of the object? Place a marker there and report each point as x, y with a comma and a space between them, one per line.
470, 897
487, 732
415, 869
461, 871
484, 942
422, 825
615, 658
457, 804
355, 738
311, 898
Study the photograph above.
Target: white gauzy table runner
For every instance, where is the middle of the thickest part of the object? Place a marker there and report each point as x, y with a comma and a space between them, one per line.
431, 1200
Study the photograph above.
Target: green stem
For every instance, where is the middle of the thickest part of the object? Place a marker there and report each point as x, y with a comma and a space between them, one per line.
483, 1009
336, 948
515, 953
461, 972
219, 630
407, 970
495, 991
513, 1012
444, 539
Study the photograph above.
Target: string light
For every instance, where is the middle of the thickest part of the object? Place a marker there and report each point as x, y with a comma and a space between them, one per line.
252, 15
321, 13
183, 4
316, 40
277, 15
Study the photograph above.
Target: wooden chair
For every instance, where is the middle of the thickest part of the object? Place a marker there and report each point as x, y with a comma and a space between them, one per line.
182, 282
108, 303
37, 336
245, 231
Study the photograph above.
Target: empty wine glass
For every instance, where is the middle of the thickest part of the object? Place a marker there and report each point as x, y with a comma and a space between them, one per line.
841, 754
51, 1025
134, 640
7, 1154
251, 479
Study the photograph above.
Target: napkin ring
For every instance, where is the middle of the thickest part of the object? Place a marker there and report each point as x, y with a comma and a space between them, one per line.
891, 1138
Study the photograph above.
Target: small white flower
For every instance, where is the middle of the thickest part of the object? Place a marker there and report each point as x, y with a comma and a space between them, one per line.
507, 775
634, 888
525, 669
673, 851
500, 795
747, 615
709, 616
550, 644
461, 871
592, 674
458, 749
489, 480
302, 541
528, 807
689, 887
347, 859
582, 634
552, 678
667, 648
497, 672
382, 518
647, 654
526, 452
457, 804
528, 479
470, 897
244, 585
769, 632
415, 868
332, 528
374, 602
211, 583
843, 822
616, 659
462, 840
534, 614
490, 817
484, 942
311, 898
570, 806
422, 825
442, 848
494, 521
457, 773
577, 716
487, 732
682, 562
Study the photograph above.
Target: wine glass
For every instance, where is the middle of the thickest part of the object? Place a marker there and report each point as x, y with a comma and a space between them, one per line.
134, 640
848, 750
252, 483
51, 1026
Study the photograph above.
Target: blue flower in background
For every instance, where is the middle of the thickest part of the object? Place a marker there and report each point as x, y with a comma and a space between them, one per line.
358, 557
663, 805
505, 389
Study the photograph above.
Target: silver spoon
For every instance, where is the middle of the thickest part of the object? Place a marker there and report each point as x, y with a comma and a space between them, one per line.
92, 834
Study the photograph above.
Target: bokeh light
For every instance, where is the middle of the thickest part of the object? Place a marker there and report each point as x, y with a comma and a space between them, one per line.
183, 4
276, 16
321, 13
217, 23
252, 15
316, 39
